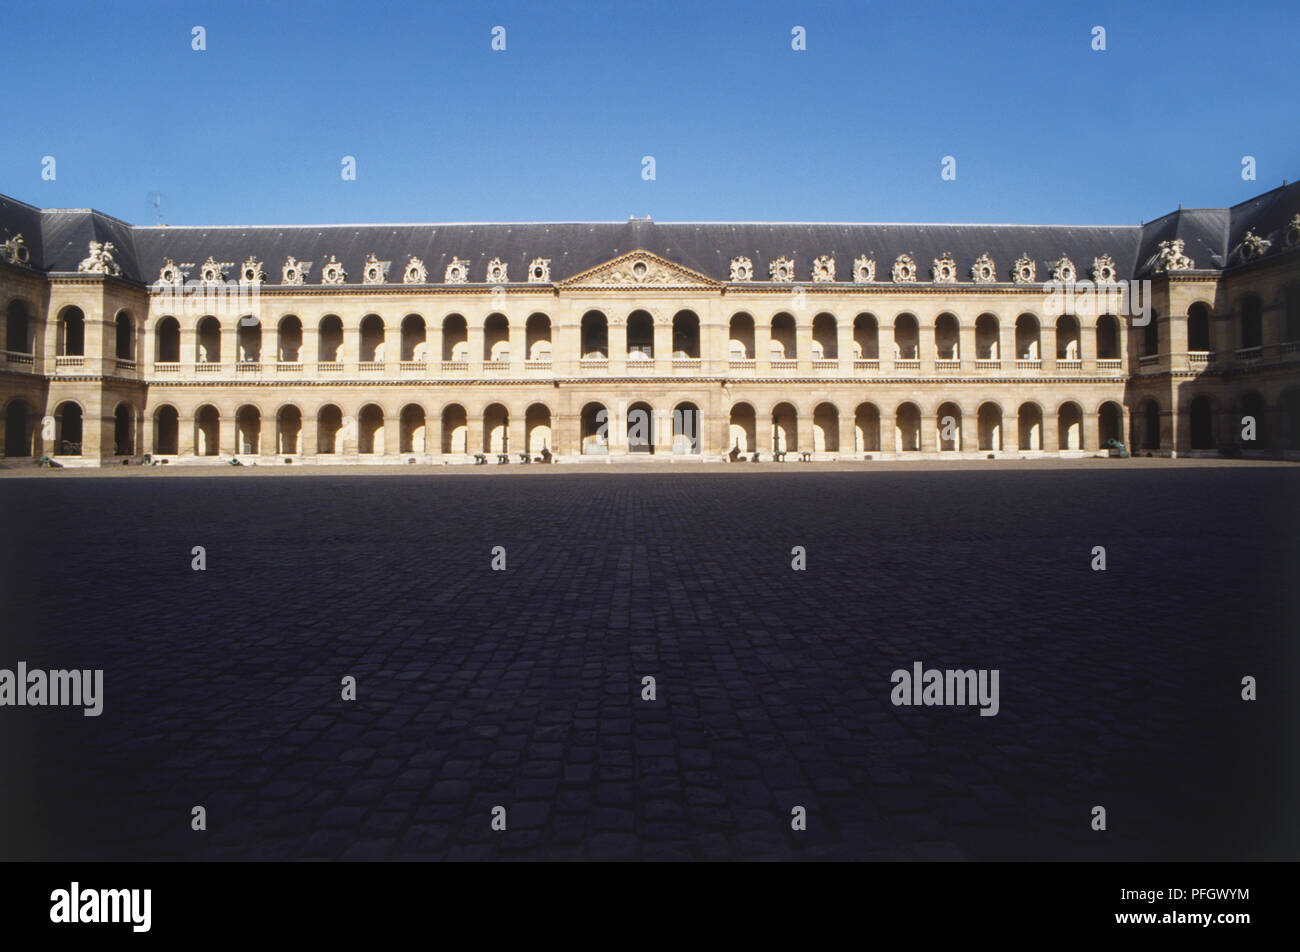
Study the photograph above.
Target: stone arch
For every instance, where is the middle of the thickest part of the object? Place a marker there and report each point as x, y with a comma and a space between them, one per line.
124, 336
455, 429
866, 428
686, 334
741, 336
826, 428
640, 425
166, 431
742, 430
1069, 426
20, 327
329, 430
989, 422
1028, 337
123, 429
1108, 337
1198, 328
907, 428
411, 438
496, 338
496, 429
947, 427
1029, 426
594, 428
1110, 424
20, 430
207, 340
825, 337
167, 341
907, 337
947, 336
686, 429
595, 335
537, 338
785, 428
372, 334
415, 336
370, 430
1069, 343
866, 337
988, 332
288, 430
248, 339
207, 431
69, 423
640, 335
455, 339
329, 339
248, 430
784, 345
72, 332
537, 429
288, 339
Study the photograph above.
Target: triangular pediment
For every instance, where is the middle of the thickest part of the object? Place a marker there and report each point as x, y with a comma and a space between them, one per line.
640, 269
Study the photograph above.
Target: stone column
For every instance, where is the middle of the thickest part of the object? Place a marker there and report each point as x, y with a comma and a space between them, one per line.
616, 338
663, 343
227, 432
392, 433
848, 431
1088, 345
966, 345
474, 338
309, 435
926, 348
518, 347
1007, 343
844, 345
803, 340
1047, 344
762, 347
474, 430
516, 431
433, 347
885, 345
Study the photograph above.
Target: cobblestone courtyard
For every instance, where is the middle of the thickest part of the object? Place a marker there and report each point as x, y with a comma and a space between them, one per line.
522, 688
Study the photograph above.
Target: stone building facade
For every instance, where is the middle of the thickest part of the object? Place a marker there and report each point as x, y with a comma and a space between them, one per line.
601, 341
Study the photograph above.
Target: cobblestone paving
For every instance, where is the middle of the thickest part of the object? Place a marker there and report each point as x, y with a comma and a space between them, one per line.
522, 688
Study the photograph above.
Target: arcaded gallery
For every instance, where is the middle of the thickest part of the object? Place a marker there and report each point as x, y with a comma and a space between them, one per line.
675, 342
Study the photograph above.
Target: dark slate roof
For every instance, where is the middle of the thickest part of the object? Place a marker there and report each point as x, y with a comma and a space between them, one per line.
59, 238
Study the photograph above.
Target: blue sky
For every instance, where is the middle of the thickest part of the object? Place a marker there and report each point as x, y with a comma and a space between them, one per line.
742, 127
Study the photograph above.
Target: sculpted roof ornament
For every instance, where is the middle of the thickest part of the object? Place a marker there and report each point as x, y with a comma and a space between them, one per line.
904, 269
15, 251
1063, 270
100, 259
496, 272
294, 271
539, 271
782, 269
332, 272
1024, 270
1252, 245
742, 269
944, 269
374, 271
864, 269
1171, 257
1293, 232
823, 268
251, 272
415, 272
984, 270
457, 272
213, 271
172, 274
1103, 270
